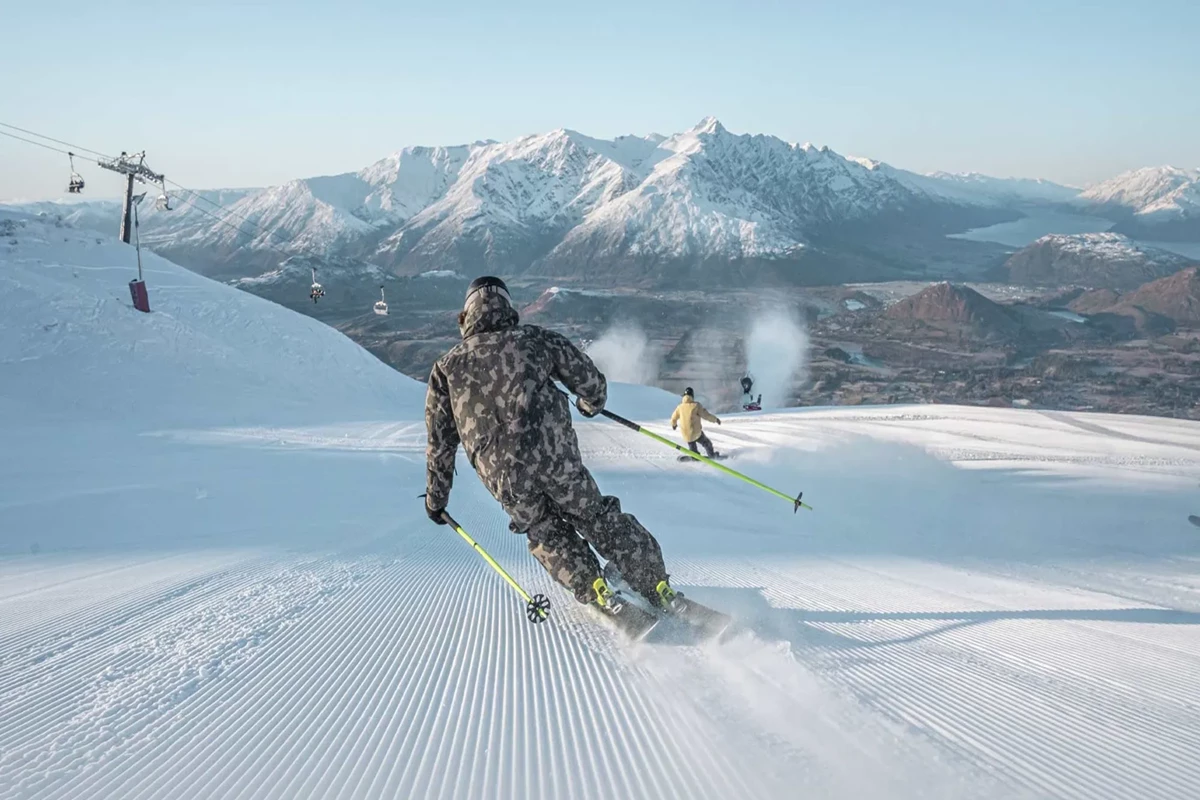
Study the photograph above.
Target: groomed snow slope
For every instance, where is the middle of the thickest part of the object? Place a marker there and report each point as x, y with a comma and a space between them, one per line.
235, 593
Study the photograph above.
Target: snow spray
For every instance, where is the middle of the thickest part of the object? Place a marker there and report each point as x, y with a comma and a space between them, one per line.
776, 355
624, 354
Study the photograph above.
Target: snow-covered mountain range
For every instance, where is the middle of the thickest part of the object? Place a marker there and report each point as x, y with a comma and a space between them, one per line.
1154, 202
564, 204
1167, 192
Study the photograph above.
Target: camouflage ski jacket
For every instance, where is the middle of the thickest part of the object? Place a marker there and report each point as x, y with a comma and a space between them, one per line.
495, 393
688, 415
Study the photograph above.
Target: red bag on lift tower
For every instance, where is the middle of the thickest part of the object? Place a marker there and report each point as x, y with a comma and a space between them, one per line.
141, 298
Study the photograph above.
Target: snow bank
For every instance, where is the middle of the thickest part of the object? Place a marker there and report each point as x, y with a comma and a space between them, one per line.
73, 348
99, 394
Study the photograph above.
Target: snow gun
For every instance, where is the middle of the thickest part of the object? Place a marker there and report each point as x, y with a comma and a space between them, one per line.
796, 502
536, 607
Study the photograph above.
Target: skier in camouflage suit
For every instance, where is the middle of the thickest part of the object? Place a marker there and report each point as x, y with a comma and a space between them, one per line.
495, 394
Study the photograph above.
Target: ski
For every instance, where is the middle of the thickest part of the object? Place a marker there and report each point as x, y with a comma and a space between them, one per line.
700, 620
707, 622
630, 619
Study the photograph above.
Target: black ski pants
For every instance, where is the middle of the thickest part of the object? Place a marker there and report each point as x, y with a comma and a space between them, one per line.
704, 442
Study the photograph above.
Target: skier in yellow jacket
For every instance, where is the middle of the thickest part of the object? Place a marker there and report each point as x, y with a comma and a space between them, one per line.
688, 416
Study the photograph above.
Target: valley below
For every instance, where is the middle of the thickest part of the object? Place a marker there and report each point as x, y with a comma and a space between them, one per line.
977, 339
843, 346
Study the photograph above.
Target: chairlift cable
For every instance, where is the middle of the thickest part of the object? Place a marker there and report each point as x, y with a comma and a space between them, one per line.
177, 185
229, 211
239, 229
40, 144
56, 141
222, 220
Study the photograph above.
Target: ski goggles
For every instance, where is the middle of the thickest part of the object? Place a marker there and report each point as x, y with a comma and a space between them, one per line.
500, 290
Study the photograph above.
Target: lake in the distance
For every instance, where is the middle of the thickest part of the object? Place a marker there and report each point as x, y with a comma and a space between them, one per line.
1033, 227
1040, 223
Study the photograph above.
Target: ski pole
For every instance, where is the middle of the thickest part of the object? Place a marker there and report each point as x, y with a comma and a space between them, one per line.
796, 502
536, 606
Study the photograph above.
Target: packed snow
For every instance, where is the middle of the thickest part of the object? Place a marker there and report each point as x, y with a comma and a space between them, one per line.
216, 580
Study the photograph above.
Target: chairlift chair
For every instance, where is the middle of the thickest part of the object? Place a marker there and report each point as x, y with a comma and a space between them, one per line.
381, 304
75, 184
317, 291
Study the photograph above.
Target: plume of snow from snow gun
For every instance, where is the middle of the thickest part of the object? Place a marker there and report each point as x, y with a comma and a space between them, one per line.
703, 370
624, 354
776, 355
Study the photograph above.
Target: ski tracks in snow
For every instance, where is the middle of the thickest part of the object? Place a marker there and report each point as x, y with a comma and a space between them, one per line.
396, 664
1077, 695
105, 681
409, 671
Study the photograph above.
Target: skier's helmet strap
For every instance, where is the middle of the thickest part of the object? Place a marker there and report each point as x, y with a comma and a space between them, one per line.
487, 284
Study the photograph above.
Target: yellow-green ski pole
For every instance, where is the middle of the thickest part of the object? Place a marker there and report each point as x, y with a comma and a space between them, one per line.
536, 606
796, 502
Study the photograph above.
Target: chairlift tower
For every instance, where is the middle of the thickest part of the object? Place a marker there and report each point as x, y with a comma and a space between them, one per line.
133, 167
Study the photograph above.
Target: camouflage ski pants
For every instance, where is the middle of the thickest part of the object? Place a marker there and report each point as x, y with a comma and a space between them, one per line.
565, 516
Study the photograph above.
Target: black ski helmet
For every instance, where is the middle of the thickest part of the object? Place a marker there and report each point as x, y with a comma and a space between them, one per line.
487, 283
688, 392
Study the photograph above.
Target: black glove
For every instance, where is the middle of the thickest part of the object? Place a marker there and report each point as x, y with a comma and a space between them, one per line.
585, 408
437, 515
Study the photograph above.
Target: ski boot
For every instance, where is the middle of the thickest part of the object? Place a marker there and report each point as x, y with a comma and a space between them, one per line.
670, 600
633, 621
712, 623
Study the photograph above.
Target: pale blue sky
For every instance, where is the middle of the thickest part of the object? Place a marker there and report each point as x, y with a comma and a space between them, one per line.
225, 94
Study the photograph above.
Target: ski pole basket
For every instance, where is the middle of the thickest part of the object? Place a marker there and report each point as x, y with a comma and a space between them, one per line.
536, 608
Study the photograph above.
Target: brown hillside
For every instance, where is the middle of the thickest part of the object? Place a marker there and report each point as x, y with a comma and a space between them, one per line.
1175, 296
1095, 301
946, 304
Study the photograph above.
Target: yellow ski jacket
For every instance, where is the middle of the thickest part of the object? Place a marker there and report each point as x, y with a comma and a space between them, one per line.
688, 415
